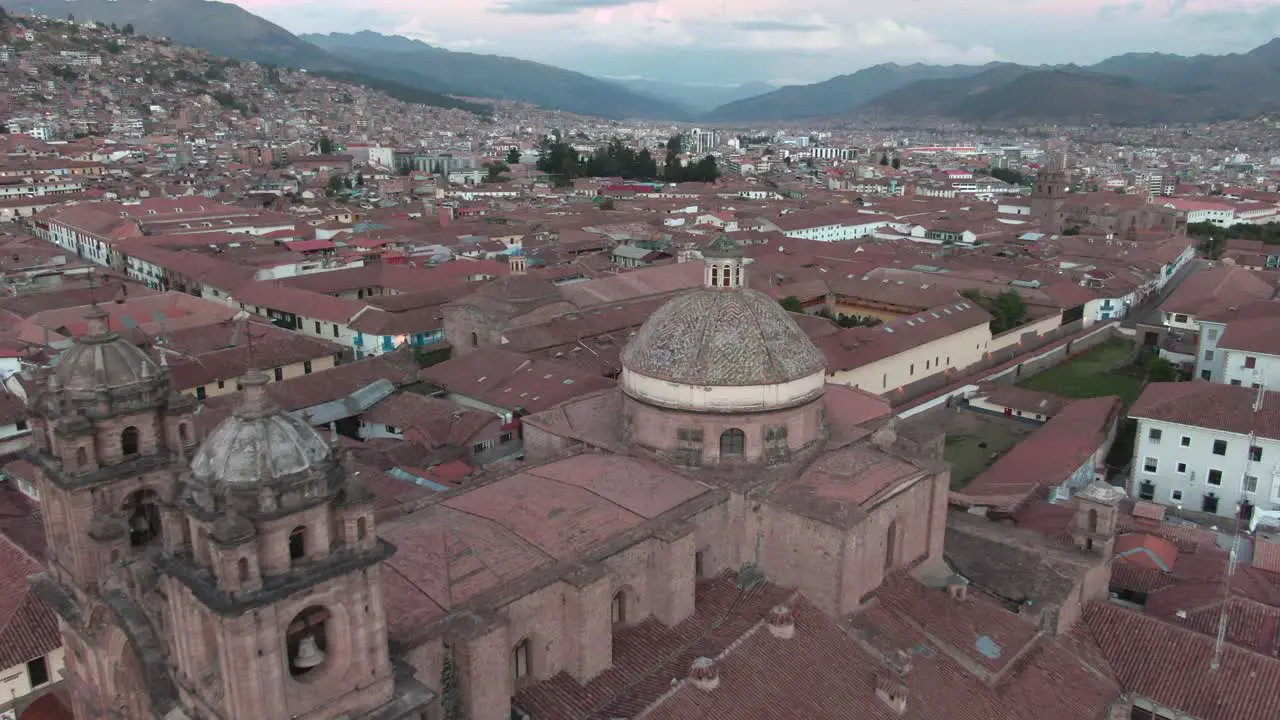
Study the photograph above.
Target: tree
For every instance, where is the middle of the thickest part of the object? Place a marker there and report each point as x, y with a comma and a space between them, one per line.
791, 303
336, 184
1013, 177
127, 29
1157, 369
325, 145
1073, 230
606, 204
1008, 310
884, 159
513, 156
897, 163
496, 170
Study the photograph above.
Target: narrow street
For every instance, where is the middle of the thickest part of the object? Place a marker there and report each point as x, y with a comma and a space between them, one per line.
1148, 311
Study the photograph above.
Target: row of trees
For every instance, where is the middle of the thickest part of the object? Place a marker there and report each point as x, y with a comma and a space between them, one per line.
616, 159
1213, 238
1008, 310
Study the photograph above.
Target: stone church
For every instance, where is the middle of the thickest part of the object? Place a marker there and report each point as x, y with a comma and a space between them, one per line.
243, 575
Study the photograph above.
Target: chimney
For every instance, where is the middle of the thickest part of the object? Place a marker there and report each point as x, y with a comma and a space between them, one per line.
958, 587
891, 681
782, 624
704, 674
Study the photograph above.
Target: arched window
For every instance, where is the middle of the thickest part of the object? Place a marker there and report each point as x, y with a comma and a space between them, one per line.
737, 276
891, 546
520, 660
307, 642
715, 275
82, 457
242, 568
360, 529
619, 612
1093, 520
184, 436
725, 281
129, 441
298, 543
733, 443
143, 511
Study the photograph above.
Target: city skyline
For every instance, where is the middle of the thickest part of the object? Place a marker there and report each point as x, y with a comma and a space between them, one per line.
711, 42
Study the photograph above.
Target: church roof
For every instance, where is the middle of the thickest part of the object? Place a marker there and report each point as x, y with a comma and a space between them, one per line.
258, 443
102, 359
722, 338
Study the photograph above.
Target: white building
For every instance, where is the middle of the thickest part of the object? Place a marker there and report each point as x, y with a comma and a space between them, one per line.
1203, 447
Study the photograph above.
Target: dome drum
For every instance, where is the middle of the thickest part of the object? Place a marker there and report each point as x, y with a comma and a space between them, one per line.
722, 398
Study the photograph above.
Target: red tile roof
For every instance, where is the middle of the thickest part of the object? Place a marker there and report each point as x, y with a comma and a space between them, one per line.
28, 627
1210, 405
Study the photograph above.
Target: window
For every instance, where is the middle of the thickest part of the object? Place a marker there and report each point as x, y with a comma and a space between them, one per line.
715, 275
1251, 362
242, 565
1213, 335
1182, 468
1235, 382
82, 457
1149, 465
1175, 495
279, 373
362, 528
37, 672
891, 546
1219, 447
184, 435
699, 566
306, 367
1093, 520
142, 508
505, 437
1250, 484
1154, 434
477, 448
1215, 477
200, 393
317, 327
913, 368
20, 424
1146, 490
298, 543
1255, 453
335, 331
520, 660
1180, 318
619, 612
129, 441
1208, 356
733, 443
1206, 375
222, 384
475, 340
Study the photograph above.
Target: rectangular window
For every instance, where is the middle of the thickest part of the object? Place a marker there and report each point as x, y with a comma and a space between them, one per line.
1182, 467
222, 384
505, 438
21, 424
1219, 447
1255, 453
1186, 441
1180, 318
1215, 477
1235, 382
306, 367
335, 331
1175, 495
477, 448
200, 393
1149, 465
1205, 375
1251, 362
317, 327
1250, 484
1154, 434
1208, 356
279, 373
37, 672
1213, 335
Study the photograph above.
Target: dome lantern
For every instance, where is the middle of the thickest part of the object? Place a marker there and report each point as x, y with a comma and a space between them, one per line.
724, 265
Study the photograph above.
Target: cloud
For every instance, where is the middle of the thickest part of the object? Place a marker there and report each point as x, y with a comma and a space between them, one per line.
778, 26
560, 7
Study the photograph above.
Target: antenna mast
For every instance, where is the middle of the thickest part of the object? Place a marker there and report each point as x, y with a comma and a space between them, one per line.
1233, 555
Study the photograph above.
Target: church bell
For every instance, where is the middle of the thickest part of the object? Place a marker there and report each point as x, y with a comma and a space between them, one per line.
309, 654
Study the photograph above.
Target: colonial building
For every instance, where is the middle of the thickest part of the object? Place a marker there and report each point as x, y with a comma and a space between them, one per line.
722, 507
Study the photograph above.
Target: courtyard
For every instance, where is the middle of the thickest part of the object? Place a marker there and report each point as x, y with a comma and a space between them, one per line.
974, 441
1097, 372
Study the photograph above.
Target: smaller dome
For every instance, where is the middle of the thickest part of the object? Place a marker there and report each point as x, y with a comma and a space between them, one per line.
259, 443
102, 359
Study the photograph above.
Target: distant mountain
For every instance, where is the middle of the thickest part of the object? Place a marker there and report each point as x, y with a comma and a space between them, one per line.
697, 99
840, 95
230, 31
493, 76
1130, 88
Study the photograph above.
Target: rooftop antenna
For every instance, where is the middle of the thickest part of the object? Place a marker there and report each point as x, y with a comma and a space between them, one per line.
1234, 554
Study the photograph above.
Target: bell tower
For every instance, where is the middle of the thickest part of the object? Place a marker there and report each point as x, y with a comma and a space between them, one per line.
1093, 529
108, 433
275, 588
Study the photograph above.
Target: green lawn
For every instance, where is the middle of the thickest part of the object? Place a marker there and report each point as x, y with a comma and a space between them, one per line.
1097, 372
969, 458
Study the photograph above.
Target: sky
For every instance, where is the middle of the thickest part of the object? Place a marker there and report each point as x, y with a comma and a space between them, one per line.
723, 42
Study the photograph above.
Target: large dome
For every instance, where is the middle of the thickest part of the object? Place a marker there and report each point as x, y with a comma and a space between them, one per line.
259, 444
103, 360
722, 338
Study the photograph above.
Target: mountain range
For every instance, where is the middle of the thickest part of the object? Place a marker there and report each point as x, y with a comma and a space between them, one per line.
1130, 88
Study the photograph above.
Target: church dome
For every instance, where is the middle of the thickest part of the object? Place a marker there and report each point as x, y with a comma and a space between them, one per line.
102, 359
723, 348
259, 443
